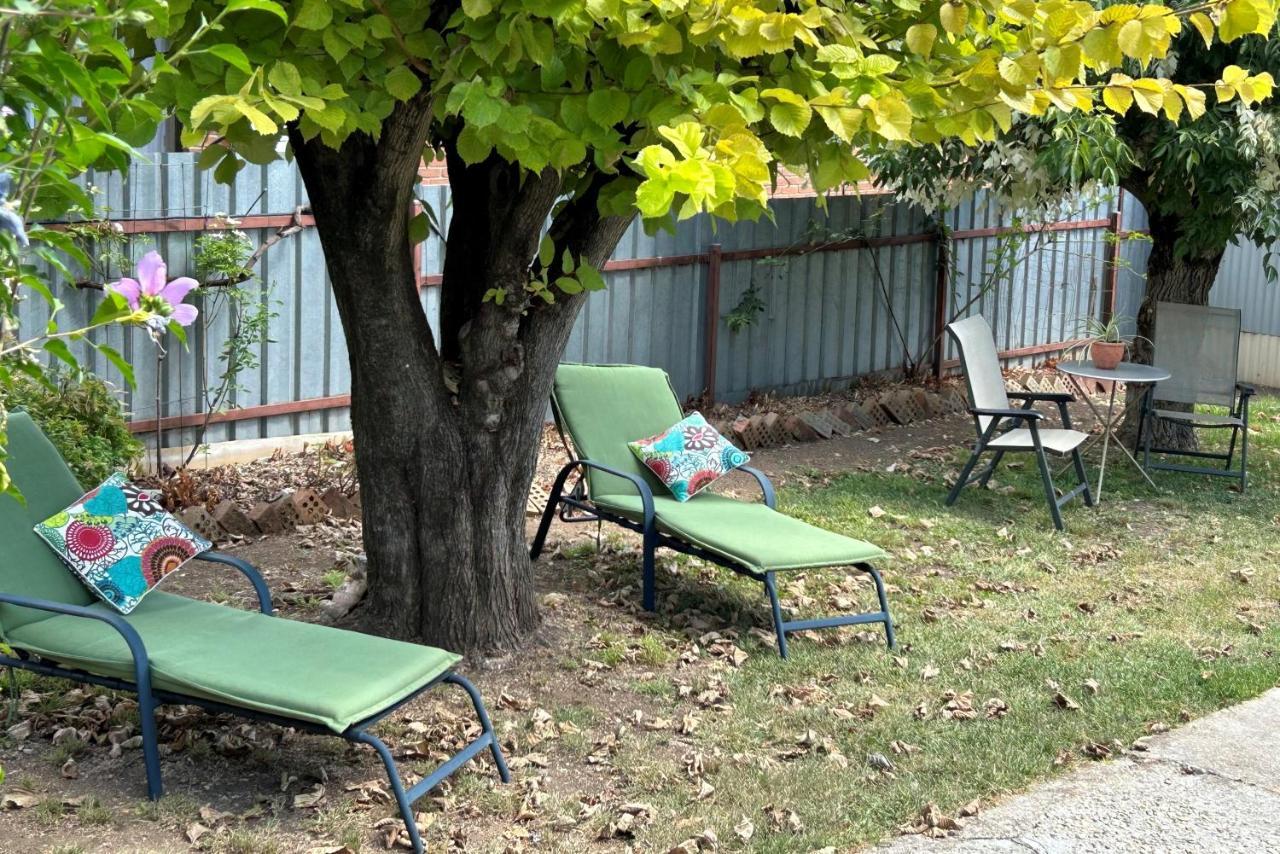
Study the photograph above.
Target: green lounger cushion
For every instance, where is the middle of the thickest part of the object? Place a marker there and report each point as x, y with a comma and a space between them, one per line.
28, 567
323, 675
603, 407
750, 534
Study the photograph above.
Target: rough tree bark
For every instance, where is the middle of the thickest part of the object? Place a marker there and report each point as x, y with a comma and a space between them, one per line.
446, 434
1171, 277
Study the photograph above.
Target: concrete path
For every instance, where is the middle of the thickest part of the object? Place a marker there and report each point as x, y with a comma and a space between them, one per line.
1210, 786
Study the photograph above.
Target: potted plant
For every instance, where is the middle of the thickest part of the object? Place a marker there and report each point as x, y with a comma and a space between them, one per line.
1106, 342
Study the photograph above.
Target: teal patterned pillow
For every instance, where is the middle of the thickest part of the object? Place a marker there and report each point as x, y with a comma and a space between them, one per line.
120, 541
689, 456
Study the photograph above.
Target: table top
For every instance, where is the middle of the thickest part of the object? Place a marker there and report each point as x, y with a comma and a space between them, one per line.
1125, 372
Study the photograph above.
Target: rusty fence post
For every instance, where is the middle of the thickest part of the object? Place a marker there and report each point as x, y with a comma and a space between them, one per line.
713, 320
1115, 227
941, 293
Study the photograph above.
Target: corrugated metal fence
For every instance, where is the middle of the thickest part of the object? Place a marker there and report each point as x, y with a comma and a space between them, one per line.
845, 292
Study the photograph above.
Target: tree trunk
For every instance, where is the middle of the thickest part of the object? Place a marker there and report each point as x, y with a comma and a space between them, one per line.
445, 466
1171, 277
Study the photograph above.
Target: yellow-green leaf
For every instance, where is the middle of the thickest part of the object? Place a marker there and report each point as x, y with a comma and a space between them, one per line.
1204, 25
955, 16
920, 38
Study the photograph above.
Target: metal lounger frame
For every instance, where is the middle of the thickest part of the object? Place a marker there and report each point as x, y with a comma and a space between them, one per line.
577, 500
149, 698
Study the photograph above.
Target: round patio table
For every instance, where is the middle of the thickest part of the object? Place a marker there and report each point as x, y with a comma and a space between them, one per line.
1123, 373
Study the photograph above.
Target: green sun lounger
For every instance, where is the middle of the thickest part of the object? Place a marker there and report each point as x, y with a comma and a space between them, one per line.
172, 649
602, 408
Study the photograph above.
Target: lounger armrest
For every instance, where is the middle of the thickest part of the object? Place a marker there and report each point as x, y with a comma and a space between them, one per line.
770, 498
1024, 414
1045, 396
249, 572
646, 494
141, 665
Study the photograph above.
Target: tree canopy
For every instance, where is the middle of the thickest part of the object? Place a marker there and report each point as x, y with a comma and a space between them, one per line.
691, 104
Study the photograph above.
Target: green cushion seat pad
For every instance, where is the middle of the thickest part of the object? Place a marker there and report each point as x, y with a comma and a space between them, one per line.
603, 407
28, 567
750, 534
327, 676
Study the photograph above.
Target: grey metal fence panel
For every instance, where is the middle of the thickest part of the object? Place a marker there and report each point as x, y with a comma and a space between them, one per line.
829, 316
1242, 283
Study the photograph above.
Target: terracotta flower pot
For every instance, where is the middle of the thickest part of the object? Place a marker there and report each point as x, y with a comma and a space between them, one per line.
1107, 354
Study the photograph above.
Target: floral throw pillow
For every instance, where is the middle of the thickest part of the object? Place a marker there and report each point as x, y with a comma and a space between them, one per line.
688, 456
120, 541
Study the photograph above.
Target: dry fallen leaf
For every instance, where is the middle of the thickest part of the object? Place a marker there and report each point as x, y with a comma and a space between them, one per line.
1062, 701
744, 829
875, 512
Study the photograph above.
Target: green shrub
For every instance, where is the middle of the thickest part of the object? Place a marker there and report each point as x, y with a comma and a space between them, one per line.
83, 418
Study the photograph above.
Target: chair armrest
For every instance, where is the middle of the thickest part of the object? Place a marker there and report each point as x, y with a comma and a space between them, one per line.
1246, 389
770, 497
1024, 414
1046, 396
138, 650
249, 572
646, 494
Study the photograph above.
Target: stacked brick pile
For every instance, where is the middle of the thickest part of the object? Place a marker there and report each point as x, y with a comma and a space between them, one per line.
282, 514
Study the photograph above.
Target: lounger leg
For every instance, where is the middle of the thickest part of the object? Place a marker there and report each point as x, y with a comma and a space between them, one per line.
540, 538
147, 719
1049, 493
1082, 476
650, 581
494, 748
889, 638
991, 469
771, 587
397, 787
963, 480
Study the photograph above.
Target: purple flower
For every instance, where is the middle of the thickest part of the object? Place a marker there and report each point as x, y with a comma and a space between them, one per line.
150, 293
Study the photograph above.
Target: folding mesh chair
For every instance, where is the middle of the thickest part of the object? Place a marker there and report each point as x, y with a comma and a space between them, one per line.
1200, 347
1002, 428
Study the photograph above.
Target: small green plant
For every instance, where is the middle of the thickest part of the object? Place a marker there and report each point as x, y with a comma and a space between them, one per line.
92, 812
746, 312
335, 578
1110, 331
223, 261
222, 256
84, 419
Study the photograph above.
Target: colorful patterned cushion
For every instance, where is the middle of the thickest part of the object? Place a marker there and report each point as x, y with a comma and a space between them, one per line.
120, 541
688, 456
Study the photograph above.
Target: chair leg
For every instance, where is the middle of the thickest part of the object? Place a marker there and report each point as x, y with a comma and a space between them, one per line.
1244, 454
1082, 476
986, 475
771, 587
478, 703
1049, 492
650, 581
889, 638
963, 479
540, 538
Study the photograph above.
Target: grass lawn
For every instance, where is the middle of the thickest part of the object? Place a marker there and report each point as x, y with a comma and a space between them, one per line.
1022, 652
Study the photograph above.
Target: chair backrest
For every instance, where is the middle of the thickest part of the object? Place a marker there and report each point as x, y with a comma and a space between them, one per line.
981, 365
28, 567
1200, 346
603, 407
